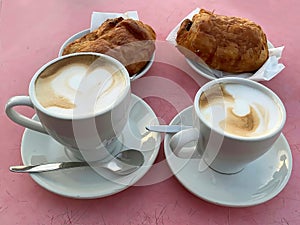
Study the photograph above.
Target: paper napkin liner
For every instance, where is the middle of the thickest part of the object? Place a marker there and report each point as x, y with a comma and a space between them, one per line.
99, 17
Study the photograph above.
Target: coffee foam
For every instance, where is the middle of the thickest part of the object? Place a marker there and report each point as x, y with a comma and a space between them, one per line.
79, 89
240, 110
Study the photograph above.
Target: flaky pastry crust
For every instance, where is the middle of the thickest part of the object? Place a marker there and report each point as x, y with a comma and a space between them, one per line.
130, 41
229, 44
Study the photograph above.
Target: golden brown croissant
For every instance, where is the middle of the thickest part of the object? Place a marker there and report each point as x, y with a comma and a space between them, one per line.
129, 41
224, 43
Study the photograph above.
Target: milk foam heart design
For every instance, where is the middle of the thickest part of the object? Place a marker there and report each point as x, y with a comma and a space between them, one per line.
80, 88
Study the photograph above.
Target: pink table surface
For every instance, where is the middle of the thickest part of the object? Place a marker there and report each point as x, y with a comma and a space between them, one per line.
31, 33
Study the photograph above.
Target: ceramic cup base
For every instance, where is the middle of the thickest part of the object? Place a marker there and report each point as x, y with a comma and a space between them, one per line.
189, 151
97, 155
226, 173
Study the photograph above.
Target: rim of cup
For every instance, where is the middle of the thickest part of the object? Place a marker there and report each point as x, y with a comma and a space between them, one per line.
32, 93
252, 84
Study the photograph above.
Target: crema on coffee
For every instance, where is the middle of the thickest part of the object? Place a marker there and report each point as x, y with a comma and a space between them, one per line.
240, 110
79, 87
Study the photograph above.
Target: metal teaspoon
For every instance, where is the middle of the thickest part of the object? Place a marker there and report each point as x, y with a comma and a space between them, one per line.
169, 129
123, 163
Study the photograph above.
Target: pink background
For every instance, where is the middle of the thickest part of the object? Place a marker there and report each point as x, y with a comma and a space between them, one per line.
31, 33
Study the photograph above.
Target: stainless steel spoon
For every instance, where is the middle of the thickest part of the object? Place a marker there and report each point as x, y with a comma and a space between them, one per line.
169, 129
123, 163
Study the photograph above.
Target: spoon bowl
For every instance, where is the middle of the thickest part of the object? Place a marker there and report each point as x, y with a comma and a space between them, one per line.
124, 163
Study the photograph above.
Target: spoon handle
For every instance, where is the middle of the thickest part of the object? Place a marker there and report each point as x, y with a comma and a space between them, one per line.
171, 129
46, 167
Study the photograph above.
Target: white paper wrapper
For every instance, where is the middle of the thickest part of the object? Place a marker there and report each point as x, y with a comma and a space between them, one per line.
99, 17
269, 69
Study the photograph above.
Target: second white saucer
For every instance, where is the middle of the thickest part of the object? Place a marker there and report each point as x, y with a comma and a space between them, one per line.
259, 182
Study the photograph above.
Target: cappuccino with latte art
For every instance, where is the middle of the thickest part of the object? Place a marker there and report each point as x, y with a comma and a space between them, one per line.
235, 121
240, 110
86, 85
82, 100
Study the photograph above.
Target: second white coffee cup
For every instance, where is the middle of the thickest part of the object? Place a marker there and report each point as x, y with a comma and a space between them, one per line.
235, 121
82, 100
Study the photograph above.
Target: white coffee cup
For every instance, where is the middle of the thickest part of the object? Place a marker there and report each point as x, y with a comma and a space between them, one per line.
235, 121
82, 101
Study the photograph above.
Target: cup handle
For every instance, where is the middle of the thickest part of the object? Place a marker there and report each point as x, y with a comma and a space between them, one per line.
19, 118
182, 138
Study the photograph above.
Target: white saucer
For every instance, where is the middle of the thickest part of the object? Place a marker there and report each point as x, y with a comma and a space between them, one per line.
84, 32
212, 74
259, 182
71, 39
85, 182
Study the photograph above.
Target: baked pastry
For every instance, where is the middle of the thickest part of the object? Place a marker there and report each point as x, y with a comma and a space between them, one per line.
229, 44
129, 41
